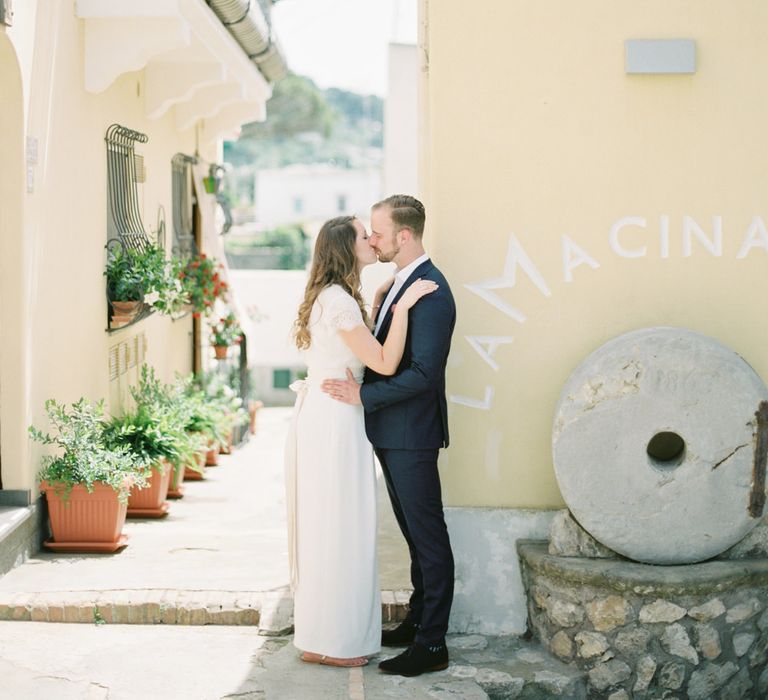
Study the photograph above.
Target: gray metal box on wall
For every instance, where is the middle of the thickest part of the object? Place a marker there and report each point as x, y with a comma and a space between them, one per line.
660, 56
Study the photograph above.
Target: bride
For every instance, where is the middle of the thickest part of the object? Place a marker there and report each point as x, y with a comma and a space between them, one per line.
330, 478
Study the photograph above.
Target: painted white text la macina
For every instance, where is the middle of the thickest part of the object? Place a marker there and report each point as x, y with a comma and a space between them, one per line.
629, 228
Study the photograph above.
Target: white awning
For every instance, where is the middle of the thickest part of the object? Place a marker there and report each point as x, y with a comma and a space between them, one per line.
192, 64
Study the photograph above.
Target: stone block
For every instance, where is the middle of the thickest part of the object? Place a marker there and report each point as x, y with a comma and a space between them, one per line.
758, 654
708, 611
619, 695
743, 611
568, 539
671, 675
561, 645
608, 674
742, 642
498, 683
645, 670
738, 686
608, 613
661, 611
632, 641
564, 614
591, 644
675, 640
707, 640
706, 681
39, 612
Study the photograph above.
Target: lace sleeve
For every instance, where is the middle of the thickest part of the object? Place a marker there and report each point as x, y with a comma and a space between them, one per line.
344, 313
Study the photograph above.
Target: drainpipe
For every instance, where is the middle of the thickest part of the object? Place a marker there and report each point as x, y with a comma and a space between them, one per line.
250, 23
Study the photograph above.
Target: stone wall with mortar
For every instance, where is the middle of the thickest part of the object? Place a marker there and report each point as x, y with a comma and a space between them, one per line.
698, 631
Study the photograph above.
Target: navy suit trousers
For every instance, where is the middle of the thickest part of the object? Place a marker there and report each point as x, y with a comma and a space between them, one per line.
414, 489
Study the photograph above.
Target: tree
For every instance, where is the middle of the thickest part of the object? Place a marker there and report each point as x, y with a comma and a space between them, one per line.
297, 106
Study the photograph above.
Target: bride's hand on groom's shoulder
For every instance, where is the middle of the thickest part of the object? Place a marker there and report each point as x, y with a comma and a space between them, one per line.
382, 291
415, 291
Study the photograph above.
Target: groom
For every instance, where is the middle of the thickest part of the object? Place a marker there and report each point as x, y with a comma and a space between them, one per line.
406, 421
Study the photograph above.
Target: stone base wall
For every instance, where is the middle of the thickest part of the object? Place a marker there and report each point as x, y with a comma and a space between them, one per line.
698, 631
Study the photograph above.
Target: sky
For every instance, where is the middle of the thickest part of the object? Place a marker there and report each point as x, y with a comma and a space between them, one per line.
343, 43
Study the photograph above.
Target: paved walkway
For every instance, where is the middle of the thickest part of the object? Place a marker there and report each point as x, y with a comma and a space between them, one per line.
219, 554
217, 568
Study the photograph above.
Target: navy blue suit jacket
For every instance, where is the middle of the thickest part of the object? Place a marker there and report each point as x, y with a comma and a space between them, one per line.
408, 410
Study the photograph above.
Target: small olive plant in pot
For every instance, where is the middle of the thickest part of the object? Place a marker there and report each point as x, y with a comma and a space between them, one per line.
86, 482
145, 432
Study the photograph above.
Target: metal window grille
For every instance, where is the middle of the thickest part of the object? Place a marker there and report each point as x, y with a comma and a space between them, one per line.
122, 179
184, 245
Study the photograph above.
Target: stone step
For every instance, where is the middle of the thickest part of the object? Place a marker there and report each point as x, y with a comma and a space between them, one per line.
271, 611
481, 668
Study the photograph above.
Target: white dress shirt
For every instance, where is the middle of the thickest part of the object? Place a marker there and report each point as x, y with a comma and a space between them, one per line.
400, 277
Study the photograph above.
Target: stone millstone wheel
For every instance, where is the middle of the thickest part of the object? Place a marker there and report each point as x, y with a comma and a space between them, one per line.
653, 444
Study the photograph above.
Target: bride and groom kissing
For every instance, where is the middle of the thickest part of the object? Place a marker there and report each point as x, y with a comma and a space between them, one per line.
375, 384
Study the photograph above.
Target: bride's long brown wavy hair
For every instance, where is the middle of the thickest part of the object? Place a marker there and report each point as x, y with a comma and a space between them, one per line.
334, 262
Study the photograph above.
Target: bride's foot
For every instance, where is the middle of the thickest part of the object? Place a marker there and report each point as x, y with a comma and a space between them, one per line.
312, 658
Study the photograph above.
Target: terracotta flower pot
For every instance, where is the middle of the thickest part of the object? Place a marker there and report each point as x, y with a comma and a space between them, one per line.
123, 312
85, 522
221, 351
225, 447
253, 409
150, 502
212, 455
175, 489
191, 474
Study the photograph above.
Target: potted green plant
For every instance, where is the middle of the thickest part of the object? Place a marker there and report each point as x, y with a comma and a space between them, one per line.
143, 276
169, 403
225, 332
147, 433
86, 482
124, 287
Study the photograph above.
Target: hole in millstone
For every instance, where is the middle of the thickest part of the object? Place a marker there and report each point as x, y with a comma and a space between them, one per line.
666, 449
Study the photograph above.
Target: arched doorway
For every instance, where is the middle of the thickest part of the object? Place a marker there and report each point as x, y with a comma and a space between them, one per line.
13, 398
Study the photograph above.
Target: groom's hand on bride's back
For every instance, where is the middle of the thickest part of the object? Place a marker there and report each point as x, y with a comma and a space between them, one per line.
344, 390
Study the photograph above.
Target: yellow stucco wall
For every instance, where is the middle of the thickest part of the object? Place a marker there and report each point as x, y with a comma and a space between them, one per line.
54, 262
531, 128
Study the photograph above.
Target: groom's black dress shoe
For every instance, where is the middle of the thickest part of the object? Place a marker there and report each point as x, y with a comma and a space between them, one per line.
401, 636
417, 659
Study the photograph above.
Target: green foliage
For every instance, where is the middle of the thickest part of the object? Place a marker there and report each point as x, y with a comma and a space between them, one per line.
168, 402
83, 456
290, 242
226, 331
308, 125
296, 106
146, 276
147, 432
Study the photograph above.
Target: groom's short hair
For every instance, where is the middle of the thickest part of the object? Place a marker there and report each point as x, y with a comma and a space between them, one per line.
406, 212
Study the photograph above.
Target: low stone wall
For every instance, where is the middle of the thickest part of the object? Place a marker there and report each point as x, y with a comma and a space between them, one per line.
698, 631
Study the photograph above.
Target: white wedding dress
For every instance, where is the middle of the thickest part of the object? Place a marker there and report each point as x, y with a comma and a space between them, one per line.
331, 498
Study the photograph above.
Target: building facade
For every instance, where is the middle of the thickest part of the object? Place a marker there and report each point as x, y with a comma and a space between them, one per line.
578, 185
173, 81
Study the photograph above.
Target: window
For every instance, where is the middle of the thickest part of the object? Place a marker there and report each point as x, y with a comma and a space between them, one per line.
341, 203
281, 378
298, 205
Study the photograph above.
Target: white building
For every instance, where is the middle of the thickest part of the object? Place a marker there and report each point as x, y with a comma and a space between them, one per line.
401, 111
299, 193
